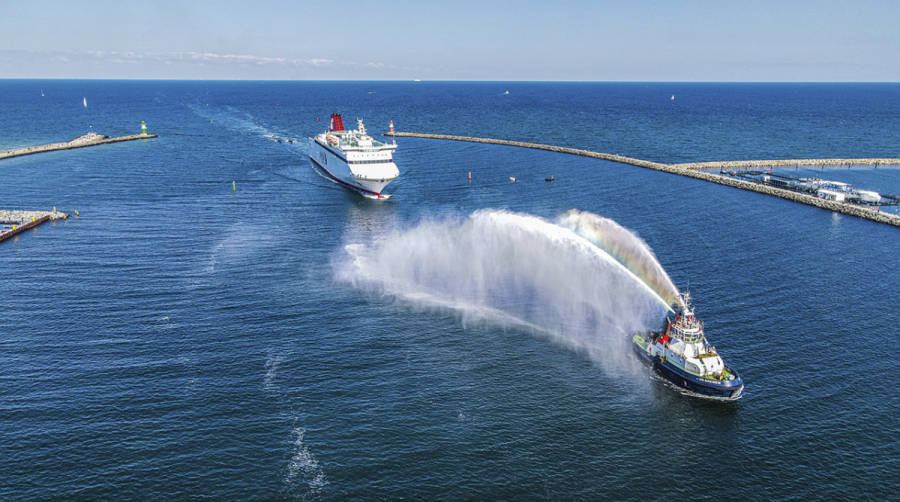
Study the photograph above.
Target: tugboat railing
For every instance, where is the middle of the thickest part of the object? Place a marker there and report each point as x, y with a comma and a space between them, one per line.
688, 337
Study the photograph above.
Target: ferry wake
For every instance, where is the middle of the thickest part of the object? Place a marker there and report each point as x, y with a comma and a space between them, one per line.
681, 355
353, 159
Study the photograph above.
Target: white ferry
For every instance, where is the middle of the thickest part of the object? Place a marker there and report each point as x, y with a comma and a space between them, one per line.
353, 159
681, 355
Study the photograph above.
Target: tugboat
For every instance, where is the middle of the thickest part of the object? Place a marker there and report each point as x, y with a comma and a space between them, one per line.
681, 355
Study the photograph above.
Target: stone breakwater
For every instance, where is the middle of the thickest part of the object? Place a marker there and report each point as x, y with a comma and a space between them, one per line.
694, 171
744, 164
90, 139
14, 222
21, 216
537, 146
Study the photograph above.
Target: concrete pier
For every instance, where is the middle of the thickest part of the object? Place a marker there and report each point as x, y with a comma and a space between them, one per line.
14, 222
694, 170
90, 139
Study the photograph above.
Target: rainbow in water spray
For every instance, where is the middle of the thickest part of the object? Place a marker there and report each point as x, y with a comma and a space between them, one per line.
627, 248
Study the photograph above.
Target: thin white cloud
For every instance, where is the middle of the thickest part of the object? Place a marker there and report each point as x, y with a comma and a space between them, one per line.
233, 58
316, 61
212, 57
132, 62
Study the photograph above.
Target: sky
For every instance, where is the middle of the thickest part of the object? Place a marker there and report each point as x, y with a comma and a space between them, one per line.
666, 41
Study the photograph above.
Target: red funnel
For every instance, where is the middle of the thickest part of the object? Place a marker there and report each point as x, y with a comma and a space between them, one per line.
337, 123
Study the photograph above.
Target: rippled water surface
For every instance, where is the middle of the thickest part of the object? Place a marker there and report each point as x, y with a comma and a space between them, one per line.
179, 340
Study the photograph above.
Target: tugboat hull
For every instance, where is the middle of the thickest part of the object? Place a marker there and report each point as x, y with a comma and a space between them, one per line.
727, 390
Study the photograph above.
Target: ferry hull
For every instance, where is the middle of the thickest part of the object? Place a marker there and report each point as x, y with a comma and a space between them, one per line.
336, 169
372, 192
727, 390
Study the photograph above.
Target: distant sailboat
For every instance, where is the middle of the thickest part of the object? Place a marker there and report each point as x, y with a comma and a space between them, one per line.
672, 98
507, 92
42, 93
84, 100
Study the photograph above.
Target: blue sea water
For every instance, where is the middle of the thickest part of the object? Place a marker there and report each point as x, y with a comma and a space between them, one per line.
179, 340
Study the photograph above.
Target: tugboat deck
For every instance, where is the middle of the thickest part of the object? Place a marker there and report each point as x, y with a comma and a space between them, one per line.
681, 355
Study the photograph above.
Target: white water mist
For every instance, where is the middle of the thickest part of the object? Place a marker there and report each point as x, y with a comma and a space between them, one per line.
511, 268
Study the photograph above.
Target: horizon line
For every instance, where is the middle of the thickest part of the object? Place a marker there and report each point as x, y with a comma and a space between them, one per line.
418, 81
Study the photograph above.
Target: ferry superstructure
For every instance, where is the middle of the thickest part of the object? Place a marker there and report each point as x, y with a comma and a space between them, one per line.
354, 159
681, 355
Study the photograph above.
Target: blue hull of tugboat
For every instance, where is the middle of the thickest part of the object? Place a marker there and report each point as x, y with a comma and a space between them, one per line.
720, 389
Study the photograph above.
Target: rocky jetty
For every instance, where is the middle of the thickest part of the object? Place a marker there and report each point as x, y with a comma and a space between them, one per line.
697, 170
89, 139
14, 222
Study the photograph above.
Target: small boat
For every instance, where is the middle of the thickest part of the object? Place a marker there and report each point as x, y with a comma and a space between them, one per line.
681, 355
505, 93
548, 178
84, 100
672, 98
512, 178
42, 93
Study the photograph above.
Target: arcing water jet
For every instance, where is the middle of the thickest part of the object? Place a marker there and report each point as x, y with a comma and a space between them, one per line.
512, 268
626, 247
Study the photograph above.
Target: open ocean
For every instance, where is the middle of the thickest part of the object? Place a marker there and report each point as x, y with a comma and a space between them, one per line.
292, 340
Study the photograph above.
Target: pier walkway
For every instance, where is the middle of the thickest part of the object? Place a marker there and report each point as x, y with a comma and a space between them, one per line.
90, 139
696, 170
